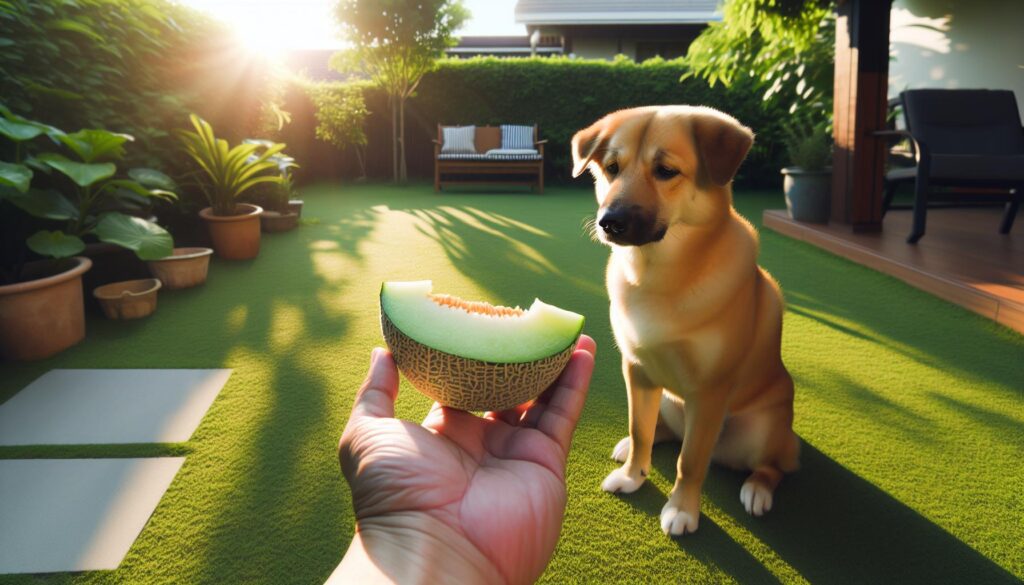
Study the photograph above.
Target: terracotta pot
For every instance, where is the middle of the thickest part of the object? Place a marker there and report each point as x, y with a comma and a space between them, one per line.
295, 206
44, 316
235, 237
110, 263
273, 221
131, 299
187, 267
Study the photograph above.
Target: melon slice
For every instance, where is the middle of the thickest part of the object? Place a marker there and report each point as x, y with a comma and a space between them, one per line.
473, 355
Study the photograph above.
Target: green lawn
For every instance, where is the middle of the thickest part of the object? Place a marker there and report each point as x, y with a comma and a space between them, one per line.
911, 409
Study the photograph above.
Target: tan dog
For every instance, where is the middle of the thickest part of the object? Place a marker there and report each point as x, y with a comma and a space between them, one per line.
698, 322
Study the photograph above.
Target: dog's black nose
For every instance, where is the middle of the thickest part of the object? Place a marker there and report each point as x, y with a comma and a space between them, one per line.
615, 222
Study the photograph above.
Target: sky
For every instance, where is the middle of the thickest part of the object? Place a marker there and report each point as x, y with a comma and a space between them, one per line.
274, 25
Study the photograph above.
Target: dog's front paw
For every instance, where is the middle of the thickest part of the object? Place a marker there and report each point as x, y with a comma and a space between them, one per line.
620, 482
675, 521
756, 497
621, 451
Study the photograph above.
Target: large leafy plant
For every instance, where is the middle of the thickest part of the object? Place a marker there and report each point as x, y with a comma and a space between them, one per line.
225, 172
82, 193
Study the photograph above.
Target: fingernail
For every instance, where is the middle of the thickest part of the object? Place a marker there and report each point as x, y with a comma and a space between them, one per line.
375, 355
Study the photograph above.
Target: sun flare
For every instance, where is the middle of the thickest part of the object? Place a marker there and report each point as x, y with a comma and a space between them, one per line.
274, 27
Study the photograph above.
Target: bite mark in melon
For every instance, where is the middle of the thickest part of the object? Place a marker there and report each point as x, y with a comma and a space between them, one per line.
473, 355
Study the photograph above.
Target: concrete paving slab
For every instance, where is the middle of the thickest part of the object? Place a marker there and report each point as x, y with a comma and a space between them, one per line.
76, 514
76, 407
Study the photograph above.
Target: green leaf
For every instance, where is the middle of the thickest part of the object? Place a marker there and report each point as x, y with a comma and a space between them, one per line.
66, 24
134, 187
15, 175
46, 204
83, 174
53, 91
152, 178
54, 244
148, 240
18, 131
93, 145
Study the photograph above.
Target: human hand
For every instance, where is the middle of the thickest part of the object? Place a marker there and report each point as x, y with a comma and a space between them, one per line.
460, 498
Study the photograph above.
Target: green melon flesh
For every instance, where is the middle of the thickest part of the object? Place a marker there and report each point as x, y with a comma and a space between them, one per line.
537, 333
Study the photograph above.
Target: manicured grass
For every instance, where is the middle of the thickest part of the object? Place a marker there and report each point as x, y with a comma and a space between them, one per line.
911, 409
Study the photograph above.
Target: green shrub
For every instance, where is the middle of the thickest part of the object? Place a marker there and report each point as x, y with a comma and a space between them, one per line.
563, 95
559, 94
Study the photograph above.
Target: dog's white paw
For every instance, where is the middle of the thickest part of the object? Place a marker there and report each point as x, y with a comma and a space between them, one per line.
756, 498
619, 482
621, 451
675, 521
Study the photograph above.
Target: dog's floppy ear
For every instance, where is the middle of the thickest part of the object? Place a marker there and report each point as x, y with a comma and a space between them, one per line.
722, 142
585, 145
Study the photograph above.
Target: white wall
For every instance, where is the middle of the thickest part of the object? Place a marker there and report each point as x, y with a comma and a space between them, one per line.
966, 44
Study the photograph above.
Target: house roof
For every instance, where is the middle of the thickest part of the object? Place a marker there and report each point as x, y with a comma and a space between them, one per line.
611, 12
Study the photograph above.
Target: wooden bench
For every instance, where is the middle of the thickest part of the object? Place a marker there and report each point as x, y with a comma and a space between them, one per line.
530, 168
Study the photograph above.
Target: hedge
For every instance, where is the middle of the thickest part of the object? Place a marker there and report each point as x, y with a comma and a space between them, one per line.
559, 94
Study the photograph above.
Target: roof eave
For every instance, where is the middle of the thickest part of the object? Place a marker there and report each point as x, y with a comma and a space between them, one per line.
617, 18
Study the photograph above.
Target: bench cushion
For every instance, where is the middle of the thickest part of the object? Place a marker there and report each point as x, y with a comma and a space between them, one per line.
493, 156
514, 137
458, 140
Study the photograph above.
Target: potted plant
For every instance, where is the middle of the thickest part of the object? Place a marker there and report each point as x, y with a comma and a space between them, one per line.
279, 215
808, 182
225, 174
41, 302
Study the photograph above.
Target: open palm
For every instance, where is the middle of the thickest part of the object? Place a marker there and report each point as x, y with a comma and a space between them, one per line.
491, 488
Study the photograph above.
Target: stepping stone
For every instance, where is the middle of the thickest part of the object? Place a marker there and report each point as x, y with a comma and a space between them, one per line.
76, 514
65, 407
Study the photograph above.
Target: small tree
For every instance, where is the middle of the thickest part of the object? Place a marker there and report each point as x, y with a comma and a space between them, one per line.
787, 45
340, 115
395, 43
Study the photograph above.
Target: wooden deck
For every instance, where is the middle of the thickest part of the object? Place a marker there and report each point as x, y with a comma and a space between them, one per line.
962, 258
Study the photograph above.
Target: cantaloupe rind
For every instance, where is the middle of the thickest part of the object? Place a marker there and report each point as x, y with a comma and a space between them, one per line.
469, 383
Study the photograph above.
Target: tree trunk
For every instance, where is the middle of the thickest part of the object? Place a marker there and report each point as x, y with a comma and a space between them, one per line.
402, 172
394, 140
359, 150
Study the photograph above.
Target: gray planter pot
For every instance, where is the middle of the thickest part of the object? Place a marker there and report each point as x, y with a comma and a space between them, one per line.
808, 194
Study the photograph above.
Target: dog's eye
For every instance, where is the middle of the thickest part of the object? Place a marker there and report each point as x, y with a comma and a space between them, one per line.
612, 169
664, 173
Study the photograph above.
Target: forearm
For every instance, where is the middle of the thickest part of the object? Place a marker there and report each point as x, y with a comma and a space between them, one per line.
409, 549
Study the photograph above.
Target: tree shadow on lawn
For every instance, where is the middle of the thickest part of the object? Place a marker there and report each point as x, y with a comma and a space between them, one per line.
279, 503
828, 524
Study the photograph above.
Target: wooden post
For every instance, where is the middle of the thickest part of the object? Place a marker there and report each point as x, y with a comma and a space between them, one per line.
860, 102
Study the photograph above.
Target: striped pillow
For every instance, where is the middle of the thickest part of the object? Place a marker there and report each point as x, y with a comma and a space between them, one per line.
458, 140
516, 137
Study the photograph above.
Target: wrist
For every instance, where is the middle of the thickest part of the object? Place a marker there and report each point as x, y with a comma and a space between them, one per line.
412, 548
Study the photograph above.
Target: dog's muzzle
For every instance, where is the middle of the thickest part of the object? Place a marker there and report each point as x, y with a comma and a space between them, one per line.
630, 226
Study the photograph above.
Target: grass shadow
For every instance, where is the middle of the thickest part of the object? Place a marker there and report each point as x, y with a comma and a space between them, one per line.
829, 525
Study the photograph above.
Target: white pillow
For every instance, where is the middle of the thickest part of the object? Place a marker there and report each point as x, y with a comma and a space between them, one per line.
458, 140
516, 137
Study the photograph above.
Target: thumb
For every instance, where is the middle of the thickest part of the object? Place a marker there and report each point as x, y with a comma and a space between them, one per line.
376, 397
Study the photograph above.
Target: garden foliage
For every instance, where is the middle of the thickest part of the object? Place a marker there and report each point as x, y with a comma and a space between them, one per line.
563, 95
131, 66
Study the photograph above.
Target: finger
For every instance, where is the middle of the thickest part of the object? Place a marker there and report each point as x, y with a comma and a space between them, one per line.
435, 413
587, 344
376, 398
558, 415
511, 416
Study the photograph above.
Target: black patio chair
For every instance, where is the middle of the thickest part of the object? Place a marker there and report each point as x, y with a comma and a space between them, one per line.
961, 138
